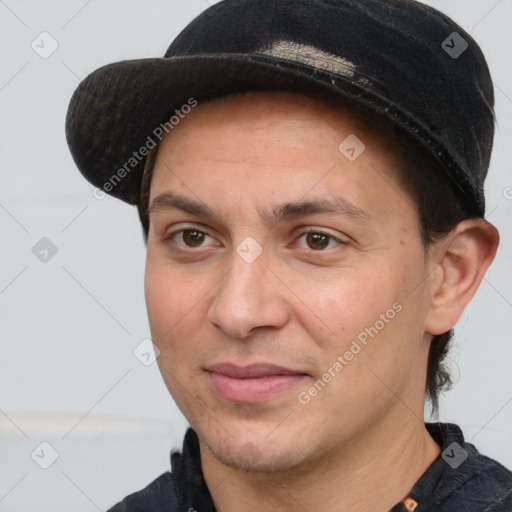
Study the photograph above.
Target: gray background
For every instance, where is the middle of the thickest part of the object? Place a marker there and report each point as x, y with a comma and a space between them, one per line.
69, 326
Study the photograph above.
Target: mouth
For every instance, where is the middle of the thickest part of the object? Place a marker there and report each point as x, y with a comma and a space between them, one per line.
256, 383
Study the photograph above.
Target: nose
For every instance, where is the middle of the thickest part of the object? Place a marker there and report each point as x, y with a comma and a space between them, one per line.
249, 296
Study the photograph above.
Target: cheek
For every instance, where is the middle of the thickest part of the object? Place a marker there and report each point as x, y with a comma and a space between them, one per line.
177, 307
161, 301
169, 300
366, 317
342, 307
173, 317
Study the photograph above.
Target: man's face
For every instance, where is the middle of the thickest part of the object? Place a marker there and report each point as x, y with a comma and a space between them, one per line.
280, 346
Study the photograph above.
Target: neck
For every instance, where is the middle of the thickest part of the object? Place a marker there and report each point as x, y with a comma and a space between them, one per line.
369, 472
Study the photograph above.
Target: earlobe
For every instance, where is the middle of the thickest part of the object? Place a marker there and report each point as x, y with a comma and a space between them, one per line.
461, 259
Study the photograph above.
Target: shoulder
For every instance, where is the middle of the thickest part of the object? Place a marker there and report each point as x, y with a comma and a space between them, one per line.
183, 488
489, 485
158, 496
463, 479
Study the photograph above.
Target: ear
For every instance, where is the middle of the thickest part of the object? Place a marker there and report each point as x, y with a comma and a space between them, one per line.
460, 261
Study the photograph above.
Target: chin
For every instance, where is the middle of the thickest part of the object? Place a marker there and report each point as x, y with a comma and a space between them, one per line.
257, 453
251, 458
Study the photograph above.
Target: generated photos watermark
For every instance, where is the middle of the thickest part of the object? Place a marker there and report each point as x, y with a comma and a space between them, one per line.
140, 154
357, 345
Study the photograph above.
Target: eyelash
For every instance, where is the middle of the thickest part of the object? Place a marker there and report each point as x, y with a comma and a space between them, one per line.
169, 238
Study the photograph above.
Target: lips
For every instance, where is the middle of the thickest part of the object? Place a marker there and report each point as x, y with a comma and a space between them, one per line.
252, 384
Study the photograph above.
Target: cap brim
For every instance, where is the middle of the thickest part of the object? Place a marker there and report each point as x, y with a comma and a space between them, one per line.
117, 109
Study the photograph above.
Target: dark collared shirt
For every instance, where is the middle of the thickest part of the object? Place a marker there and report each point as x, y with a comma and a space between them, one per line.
459, 480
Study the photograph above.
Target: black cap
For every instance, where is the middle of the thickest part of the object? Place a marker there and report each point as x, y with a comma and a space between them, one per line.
401, 59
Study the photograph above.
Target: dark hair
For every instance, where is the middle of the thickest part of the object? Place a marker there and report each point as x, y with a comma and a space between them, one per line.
439, 205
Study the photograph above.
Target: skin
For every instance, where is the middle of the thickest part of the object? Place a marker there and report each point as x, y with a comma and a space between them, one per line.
360, 442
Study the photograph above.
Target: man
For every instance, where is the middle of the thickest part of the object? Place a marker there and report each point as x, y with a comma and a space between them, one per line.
309, 177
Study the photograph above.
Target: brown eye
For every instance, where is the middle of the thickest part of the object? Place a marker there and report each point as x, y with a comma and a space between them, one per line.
317, 241
185, 241
192, 237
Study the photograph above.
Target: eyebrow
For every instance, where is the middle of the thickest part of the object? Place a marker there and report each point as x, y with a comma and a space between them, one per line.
279, 213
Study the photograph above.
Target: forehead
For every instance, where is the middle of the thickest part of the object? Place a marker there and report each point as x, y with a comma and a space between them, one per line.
267, 146
255, 119
272, 106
